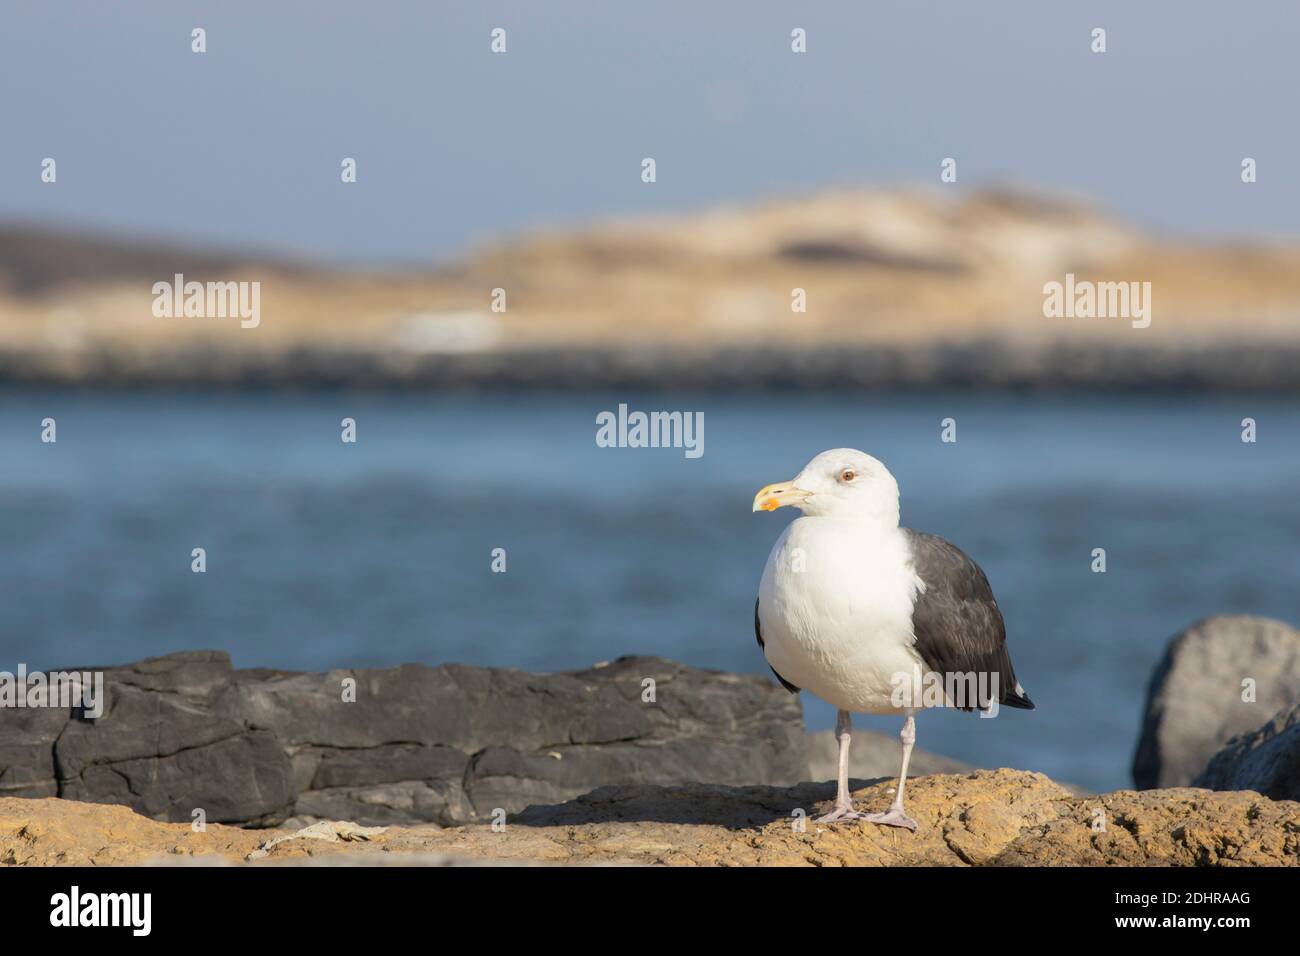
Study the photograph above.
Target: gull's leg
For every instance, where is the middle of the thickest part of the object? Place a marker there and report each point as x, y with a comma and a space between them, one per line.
894, 816
843, 803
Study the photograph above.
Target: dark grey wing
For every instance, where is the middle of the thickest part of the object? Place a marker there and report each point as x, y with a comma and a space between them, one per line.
958, 625
758, 634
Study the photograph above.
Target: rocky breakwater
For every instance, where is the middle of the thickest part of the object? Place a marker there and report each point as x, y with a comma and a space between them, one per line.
1221, 709
449, 744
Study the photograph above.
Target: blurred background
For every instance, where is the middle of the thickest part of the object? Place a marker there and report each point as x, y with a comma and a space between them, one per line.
522, 171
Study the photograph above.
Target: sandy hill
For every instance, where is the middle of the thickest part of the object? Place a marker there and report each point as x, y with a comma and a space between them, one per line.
898, 273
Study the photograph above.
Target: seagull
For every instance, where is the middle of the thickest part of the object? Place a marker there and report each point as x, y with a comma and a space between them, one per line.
873, 617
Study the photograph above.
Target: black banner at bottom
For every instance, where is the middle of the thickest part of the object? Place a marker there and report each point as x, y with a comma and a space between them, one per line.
338, 903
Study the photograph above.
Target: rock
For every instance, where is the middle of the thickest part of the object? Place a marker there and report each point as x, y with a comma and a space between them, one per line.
396, 745
160, 747
872, 755
984, 818
1266, 760
27, 740
331, 831
1194, 700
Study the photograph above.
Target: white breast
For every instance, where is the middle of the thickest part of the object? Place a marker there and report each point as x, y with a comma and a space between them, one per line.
835, 608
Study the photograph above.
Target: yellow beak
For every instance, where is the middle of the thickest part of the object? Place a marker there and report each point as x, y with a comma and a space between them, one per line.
775, 496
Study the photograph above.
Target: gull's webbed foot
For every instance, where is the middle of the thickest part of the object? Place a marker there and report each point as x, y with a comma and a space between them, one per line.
893, 817
842, 813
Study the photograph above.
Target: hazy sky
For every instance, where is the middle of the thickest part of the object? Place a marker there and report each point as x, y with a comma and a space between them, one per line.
241, 145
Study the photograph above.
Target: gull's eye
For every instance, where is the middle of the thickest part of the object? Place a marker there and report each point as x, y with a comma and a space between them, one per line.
848, 474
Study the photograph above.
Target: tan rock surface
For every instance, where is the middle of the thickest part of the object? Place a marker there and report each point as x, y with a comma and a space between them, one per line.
988, 817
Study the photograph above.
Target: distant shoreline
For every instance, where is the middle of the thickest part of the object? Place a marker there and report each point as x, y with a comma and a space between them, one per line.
857, 289
984, 366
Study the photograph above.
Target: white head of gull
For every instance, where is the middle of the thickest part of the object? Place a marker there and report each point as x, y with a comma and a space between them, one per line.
872, 617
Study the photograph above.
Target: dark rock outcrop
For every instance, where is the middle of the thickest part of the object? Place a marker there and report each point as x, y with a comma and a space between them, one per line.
1266, 760
406, 744
160, 747
1222, 677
